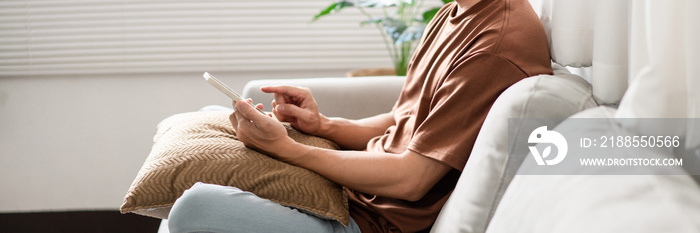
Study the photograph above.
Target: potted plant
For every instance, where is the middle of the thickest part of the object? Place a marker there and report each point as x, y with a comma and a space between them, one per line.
401, 24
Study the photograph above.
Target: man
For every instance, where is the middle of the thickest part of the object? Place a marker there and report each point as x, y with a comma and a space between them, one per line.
399, 167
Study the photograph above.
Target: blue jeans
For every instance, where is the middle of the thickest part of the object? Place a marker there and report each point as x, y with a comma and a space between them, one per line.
216, 208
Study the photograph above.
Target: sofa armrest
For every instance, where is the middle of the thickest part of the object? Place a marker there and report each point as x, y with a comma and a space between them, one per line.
352, 98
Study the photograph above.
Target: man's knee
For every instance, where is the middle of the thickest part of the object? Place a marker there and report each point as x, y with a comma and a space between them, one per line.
197, 205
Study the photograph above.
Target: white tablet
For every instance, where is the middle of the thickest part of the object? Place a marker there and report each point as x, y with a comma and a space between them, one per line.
226, 90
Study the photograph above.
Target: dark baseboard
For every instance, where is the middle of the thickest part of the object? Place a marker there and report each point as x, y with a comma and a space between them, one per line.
77, 222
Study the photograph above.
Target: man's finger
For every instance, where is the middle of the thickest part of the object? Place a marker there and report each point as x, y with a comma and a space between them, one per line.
279, 99
277, 114
285, 90
240, 118
246, 111
278, 94
234, 121
292, 111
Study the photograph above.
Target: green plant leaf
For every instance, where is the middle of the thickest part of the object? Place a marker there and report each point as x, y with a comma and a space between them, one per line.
383, 3
373, 20
429, 15
394, 28
392, 24
371, 3
333, 8
325, 11
411, 34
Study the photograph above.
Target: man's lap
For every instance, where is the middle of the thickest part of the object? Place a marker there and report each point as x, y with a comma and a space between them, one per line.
216, 208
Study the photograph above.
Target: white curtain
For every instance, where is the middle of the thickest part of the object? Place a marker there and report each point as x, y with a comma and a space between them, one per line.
645, 56
663, 71
692, 68
610, 50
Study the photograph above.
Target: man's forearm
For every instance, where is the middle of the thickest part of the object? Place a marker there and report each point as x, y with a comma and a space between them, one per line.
354, 134
405, 176
368, 172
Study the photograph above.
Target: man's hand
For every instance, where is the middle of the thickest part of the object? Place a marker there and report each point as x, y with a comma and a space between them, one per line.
258, 131
297, 106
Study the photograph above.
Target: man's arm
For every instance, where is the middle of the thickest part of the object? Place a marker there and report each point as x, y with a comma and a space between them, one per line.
297, 106
354, 134
407, 176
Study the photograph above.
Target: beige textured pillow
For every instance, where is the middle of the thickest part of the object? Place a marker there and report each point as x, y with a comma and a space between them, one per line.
202, 147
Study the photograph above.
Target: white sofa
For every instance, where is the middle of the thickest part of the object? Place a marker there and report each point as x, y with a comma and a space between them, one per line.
490, 195
485, 199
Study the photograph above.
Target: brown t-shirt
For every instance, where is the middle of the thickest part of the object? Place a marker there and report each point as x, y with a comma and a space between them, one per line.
464, 62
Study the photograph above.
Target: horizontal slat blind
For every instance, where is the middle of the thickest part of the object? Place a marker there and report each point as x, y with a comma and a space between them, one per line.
113, 36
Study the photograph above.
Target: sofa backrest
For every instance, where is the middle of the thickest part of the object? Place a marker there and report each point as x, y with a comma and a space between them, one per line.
492, 163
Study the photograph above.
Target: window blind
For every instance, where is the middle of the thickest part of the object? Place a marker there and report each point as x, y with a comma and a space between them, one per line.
117, 36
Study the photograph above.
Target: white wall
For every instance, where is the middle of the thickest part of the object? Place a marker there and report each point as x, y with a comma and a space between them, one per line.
76, 143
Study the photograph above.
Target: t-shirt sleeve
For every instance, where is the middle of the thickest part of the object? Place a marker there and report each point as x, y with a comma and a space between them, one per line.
460, 105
